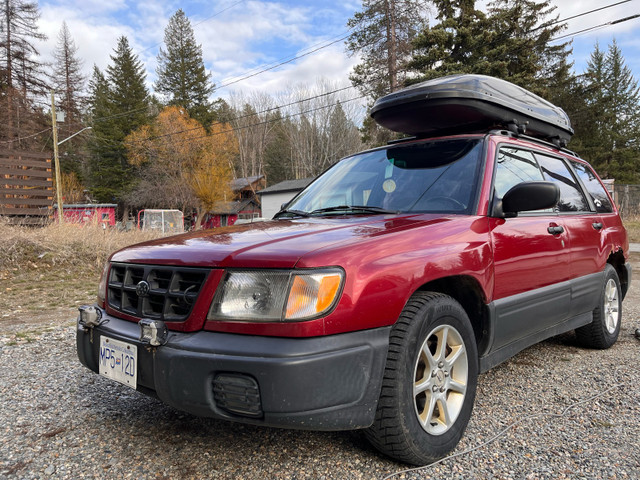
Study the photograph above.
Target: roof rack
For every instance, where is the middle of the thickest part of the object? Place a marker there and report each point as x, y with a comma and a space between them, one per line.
547, 143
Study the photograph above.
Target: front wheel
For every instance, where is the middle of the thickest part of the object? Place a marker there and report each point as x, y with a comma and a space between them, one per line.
430, 381
603, 331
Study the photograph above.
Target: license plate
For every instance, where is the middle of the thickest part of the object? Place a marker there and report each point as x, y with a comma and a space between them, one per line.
118, 361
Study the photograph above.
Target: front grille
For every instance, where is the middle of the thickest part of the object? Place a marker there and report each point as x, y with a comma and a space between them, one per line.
172, 291
237, 393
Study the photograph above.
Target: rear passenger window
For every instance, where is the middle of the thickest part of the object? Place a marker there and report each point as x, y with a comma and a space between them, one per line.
572, 198
594, 187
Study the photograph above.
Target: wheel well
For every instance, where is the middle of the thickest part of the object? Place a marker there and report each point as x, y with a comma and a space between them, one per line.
617, 261
467, 292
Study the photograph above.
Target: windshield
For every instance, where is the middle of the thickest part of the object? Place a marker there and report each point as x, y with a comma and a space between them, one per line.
438, 176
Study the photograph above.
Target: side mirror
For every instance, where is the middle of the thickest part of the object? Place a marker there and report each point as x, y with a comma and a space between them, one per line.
527, 196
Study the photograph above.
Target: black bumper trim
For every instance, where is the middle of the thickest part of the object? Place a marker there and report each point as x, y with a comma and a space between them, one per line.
319, 383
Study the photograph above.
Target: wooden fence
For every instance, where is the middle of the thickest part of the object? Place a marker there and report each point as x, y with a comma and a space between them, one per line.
26, 186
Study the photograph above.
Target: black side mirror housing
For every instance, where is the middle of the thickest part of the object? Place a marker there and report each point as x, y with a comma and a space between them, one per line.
526, 197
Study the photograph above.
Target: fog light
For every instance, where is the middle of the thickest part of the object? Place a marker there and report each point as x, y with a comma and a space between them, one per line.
90, 316
153, 332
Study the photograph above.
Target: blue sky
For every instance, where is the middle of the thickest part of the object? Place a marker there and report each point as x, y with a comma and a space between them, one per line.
241, 37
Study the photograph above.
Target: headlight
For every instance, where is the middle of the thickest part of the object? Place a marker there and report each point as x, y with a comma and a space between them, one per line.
102, 286
276, 295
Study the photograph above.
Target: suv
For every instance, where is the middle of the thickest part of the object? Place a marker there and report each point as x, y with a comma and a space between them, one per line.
374, 299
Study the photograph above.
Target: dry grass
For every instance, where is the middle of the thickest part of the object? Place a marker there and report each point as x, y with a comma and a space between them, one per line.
62, 245
632, 224
51, 270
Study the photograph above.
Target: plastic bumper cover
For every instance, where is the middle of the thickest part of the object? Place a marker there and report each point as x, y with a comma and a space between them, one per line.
319, 383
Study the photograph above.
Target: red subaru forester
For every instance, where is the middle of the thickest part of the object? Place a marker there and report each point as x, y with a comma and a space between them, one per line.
376, 296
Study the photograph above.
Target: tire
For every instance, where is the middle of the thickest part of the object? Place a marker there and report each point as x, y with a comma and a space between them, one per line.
427, 391
603, 331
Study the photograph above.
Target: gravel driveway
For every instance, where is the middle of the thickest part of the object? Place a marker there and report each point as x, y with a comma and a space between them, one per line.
562, 412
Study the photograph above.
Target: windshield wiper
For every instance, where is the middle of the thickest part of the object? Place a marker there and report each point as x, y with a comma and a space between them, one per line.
352, 208
293, 213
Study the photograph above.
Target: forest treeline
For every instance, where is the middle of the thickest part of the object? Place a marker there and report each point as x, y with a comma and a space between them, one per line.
178, 144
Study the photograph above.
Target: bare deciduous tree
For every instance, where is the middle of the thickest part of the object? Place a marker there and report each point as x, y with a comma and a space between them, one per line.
68, 80
253, 126
321, 128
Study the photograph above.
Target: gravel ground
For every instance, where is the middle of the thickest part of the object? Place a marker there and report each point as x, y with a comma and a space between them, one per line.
558, 411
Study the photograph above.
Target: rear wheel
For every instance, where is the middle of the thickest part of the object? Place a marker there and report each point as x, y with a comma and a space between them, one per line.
603, 331
430, 381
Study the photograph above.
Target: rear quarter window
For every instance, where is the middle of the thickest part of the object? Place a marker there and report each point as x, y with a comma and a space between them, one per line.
595, 189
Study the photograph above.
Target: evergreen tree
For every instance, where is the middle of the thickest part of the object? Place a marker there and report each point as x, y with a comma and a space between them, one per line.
458, 44
20, 68
609, 134
382, 36
511, 42
521, 50
182, 76
277, 153
128, 92
119, 104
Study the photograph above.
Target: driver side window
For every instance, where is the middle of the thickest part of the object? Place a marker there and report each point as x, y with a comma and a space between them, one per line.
515, 166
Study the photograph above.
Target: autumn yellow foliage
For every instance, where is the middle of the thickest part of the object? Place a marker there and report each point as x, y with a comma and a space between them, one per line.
186, 156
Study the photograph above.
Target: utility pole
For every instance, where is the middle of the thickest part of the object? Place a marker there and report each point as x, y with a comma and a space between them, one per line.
54, 123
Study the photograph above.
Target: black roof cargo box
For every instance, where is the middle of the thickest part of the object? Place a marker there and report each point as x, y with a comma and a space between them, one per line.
469, 104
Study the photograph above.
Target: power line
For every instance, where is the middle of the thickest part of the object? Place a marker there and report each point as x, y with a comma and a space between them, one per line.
282, 59
282, 63
362, 96
272, 67
602, 25
248, 115
590, 11
244, 127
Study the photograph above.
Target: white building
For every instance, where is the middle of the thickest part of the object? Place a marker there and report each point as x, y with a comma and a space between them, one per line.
274, 196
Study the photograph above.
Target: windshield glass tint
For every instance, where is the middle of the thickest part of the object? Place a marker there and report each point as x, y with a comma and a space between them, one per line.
438, 176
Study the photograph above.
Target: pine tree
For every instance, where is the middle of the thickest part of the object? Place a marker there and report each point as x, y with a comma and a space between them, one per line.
21, 70
182, 77
512, 42
458, 44
382, 36
277, 153
119, 104
128, 92
521, 50
610, 133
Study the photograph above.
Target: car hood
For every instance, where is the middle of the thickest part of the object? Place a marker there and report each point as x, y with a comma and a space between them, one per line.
273, 244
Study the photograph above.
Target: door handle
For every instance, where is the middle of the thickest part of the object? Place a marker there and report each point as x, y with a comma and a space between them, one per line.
597, 225
555, 229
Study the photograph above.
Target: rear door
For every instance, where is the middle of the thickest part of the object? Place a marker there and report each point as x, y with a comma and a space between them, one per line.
585, 227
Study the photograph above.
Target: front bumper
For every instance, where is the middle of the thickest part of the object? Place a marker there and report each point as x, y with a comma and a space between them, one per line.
320, 383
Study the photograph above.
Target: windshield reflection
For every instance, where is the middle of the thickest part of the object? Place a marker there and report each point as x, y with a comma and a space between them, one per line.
430, 177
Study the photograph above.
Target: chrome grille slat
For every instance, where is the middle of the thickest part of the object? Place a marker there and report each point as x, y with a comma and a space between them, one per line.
173, 290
